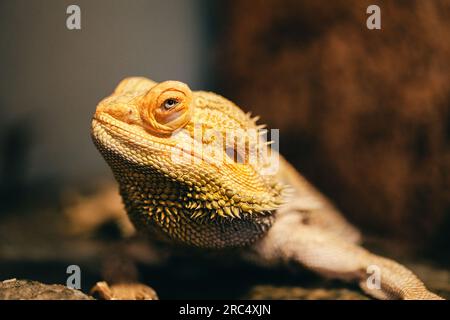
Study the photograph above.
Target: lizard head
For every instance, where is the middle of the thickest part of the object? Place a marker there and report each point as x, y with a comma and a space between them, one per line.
177, 151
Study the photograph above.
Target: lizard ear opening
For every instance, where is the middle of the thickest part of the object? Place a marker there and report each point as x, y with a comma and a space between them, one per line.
166, 107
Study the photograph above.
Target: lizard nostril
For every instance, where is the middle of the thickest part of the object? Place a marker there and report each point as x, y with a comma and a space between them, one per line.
118, 111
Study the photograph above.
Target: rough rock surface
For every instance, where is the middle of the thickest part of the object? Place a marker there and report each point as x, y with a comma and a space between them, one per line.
32, 290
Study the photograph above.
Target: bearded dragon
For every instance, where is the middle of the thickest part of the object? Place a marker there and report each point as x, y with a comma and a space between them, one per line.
186, 184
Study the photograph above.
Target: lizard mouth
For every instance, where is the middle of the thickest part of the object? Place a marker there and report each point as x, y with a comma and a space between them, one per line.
126, 131
105, 124
105, 129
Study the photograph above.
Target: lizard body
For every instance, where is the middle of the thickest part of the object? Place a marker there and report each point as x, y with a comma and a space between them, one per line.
185, 181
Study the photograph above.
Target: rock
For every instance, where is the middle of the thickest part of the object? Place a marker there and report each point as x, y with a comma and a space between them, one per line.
32, 290
123, 291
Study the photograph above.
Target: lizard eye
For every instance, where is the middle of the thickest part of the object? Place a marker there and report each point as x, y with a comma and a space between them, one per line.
170, 103
166, 107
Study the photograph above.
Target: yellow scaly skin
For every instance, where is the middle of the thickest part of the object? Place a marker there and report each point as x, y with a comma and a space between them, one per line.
228, 203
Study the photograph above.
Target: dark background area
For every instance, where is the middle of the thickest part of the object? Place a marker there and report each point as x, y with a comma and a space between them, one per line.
364, 114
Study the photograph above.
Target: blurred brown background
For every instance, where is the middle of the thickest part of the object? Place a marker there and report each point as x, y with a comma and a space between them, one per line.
364, 114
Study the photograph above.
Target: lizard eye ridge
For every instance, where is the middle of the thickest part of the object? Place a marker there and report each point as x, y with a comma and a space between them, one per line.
166, 107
